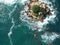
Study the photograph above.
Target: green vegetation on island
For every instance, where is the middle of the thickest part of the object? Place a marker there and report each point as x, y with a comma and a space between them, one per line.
37, 10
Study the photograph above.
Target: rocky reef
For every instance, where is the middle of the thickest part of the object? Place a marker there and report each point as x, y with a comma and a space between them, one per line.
38, 10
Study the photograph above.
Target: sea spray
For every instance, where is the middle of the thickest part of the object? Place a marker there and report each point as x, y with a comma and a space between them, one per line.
49, 37
46, 37
41, 26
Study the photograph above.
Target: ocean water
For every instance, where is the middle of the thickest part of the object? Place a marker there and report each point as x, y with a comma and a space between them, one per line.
14, 31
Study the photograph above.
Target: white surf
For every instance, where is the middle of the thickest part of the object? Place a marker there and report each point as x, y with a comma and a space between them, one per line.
41, 25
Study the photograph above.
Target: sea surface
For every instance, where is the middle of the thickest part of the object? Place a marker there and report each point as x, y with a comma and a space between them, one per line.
14, 31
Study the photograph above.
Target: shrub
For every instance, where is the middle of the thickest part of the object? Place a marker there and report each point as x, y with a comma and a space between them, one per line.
36, 8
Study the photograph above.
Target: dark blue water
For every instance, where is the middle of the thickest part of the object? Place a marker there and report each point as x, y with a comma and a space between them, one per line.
21, 34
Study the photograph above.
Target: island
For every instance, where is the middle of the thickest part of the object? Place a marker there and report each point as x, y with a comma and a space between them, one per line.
38, 14
38, 10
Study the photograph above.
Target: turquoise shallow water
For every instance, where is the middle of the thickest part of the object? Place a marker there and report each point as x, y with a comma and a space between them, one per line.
21, 34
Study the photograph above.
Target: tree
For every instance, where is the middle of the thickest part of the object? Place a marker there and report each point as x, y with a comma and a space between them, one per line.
36, 8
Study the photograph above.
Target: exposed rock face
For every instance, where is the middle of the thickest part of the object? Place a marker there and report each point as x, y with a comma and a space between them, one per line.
44, 8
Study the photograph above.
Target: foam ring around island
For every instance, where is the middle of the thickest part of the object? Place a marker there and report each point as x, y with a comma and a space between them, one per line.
38, 24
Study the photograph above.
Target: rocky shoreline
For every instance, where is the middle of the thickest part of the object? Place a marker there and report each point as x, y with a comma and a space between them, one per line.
37, 23
41, 4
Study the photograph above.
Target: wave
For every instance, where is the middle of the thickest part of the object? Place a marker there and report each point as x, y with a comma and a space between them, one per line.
24, 1
41, 26
10, 32
34, 25
49, 37
8, 2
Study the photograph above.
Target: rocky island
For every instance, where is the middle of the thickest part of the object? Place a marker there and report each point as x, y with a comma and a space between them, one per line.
37, 14
38, 10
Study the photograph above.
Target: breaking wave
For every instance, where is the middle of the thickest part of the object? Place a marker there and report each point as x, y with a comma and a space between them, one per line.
8, 2
38, 25
46, 36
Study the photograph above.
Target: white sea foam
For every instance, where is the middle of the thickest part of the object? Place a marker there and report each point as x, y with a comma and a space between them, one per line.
13, 24
25, 1
8, 2
45, 1
40, 25
22, 1
49, 37
10, 16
